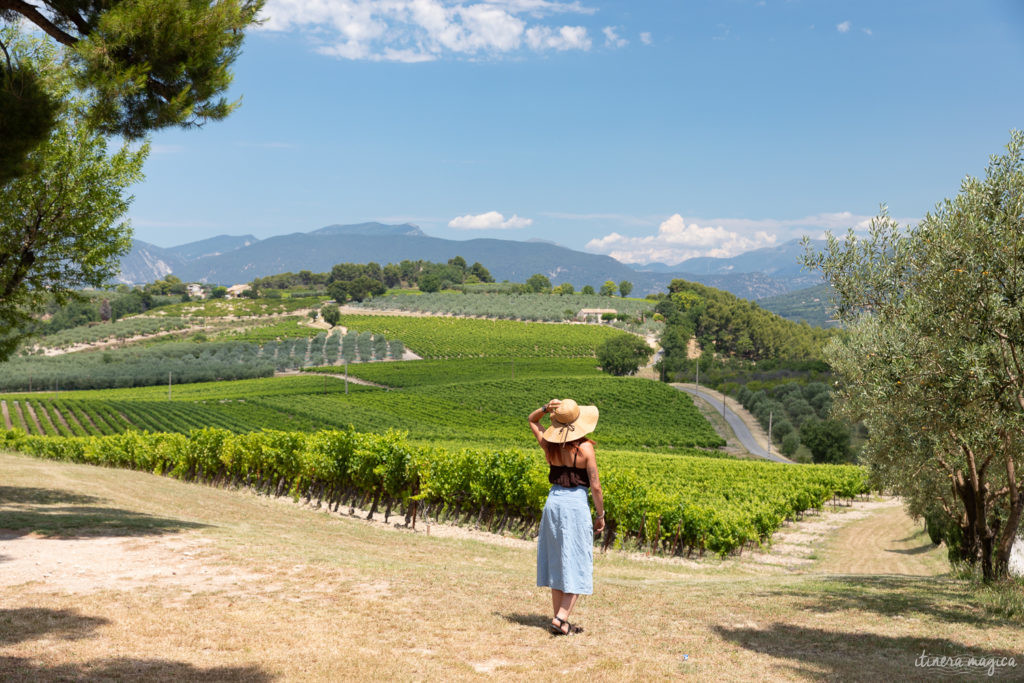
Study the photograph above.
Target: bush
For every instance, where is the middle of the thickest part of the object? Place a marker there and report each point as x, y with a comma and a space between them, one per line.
782, 428
623, 355
330, 314
538, 283
828, 440
790, 444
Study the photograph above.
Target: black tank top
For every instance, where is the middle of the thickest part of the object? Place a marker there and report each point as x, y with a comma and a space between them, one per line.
563, 475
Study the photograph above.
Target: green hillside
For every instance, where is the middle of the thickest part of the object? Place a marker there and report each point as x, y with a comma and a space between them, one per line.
805, 305
488, 413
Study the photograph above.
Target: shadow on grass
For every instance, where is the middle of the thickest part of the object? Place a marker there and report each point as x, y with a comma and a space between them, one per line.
29, 623
843, 655
37, 496
920, 550
892, 596
127, 668
87, 522
65, 514
535, 620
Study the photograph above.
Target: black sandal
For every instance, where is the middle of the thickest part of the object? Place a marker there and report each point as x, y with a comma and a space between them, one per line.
570, 629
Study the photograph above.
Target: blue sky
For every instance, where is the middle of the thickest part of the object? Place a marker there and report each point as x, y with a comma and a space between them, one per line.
644, 130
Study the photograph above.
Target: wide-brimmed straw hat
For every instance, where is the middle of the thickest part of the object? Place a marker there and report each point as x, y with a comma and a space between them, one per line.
570, 421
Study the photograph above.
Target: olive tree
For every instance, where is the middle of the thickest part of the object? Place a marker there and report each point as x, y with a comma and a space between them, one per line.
933, 360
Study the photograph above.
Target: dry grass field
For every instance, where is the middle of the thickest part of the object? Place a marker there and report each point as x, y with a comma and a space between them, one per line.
108, 574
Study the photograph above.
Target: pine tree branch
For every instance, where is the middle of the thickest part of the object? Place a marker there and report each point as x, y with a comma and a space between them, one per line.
36, 17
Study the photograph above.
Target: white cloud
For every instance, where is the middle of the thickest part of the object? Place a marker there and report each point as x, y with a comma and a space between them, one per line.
613, 39
867, 31
425, 30
676, 241
492, 220
843, 27
646, 38
566, 38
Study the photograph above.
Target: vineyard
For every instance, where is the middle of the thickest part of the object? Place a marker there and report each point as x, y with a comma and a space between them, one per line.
536, 307
464, 448
441, 338
92, 417
423, 372
668, 504
210, 391
634, 414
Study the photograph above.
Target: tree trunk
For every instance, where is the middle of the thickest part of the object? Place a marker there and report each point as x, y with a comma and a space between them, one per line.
1009, 532
376, 500
969, 550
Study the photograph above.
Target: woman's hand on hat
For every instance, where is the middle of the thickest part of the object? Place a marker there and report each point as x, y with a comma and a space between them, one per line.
553, 404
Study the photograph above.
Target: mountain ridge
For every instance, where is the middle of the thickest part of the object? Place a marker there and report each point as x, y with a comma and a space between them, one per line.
227, 259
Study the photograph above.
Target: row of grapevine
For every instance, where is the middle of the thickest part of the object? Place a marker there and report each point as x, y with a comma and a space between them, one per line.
91, 417
424, 372
206, 391
472, 338
633, 414
546, 307
720, 507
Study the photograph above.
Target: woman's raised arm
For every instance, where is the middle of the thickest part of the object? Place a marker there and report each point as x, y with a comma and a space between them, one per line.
535, 416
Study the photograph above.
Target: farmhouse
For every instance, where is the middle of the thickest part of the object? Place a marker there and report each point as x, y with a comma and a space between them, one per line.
586, 313
235, 291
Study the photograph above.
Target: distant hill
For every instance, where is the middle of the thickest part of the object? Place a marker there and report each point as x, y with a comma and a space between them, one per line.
376, 229
780, 261
231, 260
213, 246
147, 262
809, 305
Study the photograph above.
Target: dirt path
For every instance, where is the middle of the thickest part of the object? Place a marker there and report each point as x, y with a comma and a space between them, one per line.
7, 415
887, 541
351, 378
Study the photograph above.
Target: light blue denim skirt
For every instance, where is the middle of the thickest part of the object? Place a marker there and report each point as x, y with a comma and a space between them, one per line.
565, 544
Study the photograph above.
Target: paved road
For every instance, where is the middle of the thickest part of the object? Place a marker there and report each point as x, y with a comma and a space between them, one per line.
737, 424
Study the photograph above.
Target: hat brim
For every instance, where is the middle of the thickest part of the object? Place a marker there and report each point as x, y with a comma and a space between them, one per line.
584, 424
